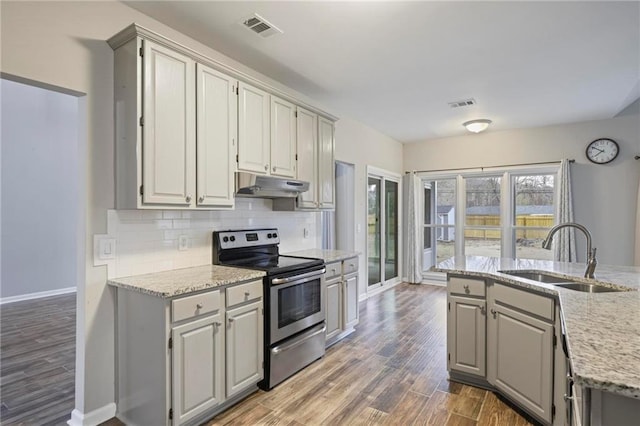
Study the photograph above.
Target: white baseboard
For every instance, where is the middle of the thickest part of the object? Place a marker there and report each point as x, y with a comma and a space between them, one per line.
94, 417
38, 295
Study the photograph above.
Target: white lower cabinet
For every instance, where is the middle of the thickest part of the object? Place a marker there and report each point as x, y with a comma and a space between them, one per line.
183, 360
503, 337
341, 299
197, 374
244, 347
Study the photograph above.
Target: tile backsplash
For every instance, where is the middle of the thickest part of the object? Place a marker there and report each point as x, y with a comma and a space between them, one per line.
147, 240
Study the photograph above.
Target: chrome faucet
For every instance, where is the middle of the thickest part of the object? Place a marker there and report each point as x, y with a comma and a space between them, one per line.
591, 253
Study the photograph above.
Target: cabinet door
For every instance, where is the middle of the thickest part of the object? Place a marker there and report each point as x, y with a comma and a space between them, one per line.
350, 301
307, 143
244, 347
466, 340
283, 138
523, 354
326, 172
216, 137
334, 308
253, 129
197, 372
168, 131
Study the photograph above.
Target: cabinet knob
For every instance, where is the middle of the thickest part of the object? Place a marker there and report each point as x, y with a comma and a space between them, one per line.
201, 199
231, 320
352, 265
274, 169
247, 294
217, 324
266, 167
188, 199
483, 310
493, 312
567, 397
199, 306
466, 288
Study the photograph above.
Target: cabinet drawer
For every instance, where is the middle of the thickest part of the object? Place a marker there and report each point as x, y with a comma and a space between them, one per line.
523, 300
467, 286
333, 270
192, 306
349, 266
244, 292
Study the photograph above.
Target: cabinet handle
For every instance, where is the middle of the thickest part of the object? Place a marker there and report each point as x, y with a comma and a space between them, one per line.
266, 167
274, 169
231, 320
483, 310
247, 294
217, 324
198, 305
201, 199
466, 288
493, 312
567, 397
188, 199
352, 265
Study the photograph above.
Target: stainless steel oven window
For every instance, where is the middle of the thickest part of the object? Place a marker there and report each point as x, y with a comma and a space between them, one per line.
307, 292
298, 301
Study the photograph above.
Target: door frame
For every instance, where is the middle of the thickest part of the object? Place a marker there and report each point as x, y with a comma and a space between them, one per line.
383, 175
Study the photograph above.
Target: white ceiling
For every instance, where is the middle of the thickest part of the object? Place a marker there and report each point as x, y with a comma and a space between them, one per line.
395, 65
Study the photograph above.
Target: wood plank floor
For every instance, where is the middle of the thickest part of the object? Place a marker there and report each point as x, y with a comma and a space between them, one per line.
392, 370
37, 361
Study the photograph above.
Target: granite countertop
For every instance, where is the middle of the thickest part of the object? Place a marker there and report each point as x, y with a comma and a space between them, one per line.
602, 329
327, 255
188, 280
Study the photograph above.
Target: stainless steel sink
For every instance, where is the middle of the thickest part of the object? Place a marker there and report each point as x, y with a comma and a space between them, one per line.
537, 276
588, 288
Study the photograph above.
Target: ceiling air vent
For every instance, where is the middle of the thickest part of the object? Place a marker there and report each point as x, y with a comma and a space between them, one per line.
260, 26
465, 103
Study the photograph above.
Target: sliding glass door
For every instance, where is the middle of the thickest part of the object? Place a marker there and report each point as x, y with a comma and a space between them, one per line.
383, 240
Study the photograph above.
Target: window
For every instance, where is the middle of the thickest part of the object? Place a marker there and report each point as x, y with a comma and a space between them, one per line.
503, 214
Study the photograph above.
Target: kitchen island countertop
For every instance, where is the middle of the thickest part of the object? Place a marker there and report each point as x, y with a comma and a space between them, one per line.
327, 255
602, 329
178, 282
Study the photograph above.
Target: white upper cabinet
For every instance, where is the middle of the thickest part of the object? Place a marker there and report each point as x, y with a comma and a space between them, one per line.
168, 127
326, 173
253, 129
283, 138
307, 148
216, 137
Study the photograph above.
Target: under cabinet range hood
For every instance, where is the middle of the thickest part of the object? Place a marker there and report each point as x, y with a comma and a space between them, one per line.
260, 186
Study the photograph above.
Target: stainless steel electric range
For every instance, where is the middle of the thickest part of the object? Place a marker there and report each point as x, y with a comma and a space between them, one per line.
294, 329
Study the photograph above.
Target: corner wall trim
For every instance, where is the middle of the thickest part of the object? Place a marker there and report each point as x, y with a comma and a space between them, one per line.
94, 417
38, 295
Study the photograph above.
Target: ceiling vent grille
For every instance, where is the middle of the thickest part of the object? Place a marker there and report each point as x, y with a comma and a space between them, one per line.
464, 103
260, 26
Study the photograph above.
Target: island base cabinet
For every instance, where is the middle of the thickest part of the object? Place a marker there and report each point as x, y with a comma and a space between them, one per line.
197, 367
467, 335
244, 347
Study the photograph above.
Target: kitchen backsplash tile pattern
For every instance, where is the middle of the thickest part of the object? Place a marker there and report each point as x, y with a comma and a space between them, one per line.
149, 241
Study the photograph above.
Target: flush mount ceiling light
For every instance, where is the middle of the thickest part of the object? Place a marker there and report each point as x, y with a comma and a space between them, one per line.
477, 126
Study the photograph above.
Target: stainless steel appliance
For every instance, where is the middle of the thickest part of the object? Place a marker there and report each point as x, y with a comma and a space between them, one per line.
293, 294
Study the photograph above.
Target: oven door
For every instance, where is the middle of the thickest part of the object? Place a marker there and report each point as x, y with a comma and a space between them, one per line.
296, 303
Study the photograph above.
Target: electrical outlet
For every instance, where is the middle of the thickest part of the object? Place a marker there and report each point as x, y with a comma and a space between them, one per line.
305, 232
183, 242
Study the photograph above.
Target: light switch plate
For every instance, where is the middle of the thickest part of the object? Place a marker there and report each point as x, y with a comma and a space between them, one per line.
104, 249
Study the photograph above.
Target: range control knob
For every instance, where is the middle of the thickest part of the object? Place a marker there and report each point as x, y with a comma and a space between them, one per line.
275, 235
225, 239
269, 235
232, 238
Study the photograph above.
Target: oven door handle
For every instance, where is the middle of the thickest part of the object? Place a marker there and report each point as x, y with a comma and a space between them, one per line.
283, 348
277, 281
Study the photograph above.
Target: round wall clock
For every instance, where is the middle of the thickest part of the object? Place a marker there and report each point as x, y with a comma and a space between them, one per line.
602, 151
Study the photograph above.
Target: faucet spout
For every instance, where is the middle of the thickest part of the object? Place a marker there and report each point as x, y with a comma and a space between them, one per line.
591, 253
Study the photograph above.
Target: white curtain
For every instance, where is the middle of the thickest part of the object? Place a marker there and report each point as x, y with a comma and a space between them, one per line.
638, 229
564, 248
413, 227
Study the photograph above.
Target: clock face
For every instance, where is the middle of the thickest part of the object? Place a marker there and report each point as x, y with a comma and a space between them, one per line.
602, 151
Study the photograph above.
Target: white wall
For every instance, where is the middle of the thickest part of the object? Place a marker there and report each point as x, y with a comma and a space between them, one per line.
604, 195
63, 44
363, 146
39, 190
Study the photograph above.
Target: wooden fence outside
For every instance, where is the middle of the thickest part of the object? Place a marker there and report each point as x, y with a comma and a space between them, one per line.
538, 221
